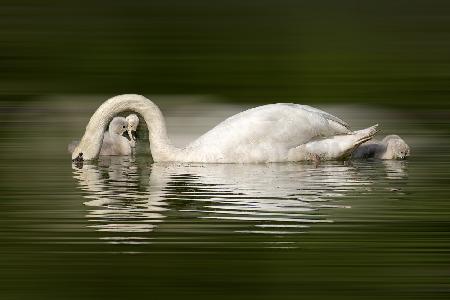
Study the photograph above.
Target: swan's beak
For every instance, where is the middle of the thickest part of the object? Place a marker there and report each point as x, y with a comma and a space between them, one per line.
78, 161
79, 157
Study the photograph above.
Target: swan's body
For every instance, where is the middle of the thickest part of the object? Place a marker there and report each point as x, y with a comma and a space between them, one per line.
391, 147
269, 133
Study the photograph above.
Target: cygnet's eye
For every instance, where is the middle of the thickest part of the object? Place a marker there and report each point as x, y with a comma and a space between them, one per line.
123, 126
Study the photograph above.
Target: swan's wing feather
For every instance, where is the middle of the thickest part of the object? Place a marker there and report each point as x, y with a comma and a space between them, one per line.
334, 120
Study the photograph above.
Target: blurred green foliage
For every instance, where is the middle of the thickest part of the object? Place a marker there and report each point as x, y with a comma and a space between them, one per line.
389, 52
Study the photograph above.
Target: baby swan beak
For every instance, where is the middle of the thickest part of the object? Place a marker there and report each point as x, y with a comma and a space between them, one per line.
404, 156
133, 122
131, 134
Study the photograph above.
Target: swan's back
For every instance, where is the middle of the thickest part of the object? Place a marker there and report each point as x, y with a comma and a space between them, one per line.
265, 133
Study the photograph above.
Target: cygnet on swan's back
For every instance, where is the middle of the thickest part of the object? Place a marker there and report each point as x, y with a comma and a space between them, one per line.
114, 143
391, 147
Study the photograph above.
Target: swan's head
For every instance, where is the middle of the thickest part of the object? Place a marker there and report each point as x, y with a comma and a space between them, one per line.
396, 147
133, 122
90, 144
118, 125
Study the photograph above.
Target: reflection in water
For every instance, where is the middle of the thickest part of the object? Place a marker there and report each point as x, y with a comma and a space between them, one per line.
119, 202
395, 169
128, 197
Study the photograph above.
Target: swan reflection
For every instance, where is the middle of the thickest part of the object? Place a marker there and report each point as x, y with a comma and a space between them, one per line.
396, 169
127, 196
119, 202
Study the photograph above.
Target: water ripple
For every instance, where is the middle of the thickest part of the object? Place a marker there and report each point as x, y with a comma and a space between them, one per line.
126, 197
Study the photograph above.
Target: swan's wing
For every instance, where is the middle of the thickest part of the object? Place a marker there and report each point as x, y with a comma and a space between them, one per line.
333, 120
271, 129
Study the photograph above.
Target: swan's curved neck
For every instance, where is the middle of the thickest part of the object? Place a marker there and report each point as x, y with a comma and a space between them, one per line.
160, 146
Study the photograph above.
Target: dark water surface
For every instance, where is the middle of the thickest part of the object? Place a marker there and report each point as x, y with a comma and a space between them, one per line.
127, 228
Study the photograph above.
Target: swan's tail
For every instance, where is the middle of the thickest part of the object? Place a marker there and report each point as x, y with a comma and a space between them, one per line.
336, 147
364, 135
71, 147
349, 143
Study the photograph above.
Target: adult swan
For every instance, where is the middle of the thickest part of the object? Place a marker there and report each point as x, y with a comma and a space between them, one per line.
269, 133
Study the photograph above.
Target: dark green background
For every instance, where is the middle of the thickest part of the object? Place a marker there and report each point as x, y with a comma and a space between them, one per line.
59, 60
389, 52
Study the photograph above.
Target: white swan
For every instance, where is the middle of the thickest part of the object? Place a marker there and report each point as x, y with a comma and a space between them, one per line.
269, 133
391, 147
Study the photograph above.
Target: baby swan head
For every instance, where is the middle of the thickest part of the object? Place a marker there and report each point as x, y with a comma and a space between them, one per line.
396, 147
133, 122
118, 126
